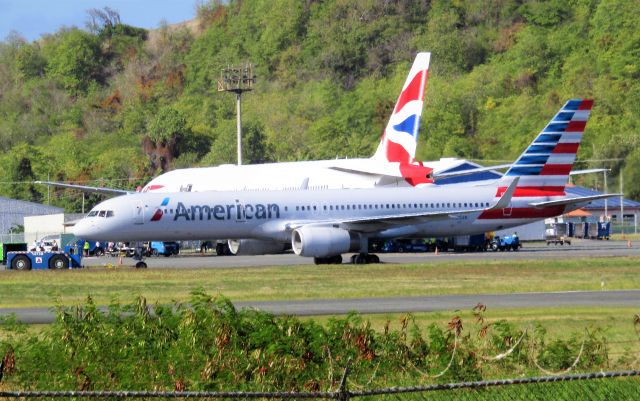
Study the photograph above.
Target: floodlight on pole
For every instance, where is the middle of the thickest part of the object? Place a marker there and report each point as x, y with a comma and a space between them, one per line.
237, 80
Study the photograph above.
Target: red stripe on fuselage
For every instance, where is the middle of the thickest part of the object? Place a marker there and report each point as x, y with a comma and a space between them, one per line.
522, 213
556, 169
524, 192
571, 148
412, 92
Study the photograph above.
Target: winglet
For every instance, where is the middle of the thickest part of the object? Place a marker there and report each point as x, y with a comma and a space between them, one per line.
505, 199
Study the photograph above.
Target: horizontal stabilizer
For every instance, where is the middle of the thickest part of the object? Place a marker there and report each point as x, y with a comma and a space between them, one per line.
574, 201
84, 188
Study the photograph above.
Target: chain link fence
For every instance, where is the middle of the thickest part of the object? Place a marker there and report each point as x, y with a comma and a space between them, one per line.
624, 385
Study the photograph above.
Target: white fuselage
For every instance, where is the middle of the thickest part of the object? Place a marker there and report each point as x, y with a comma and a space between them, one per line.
319, 174
272, 214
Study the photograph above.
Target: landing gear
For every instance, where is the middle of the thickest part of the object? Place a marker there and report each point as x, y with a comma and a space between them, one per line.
329, 260
139, 256
364, 258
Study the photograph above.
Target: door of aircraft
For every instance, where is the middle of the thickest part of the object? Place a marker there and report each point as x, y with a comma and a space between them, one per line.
138, 214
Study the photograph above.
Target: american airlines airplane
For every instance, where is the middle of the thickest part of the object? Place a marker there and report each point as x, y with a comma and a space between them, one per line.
324, 223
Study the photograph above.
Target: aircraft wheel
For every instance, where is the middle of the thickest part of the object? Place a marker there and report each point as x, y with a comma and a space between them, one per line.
335, 259
361, 259
21, 262
141, 265
154, 252
58, 262
373, 258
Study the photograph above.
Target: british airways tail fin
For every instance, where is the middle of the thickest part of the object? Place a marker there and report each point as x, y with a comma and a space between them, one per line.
545, 165
398, 143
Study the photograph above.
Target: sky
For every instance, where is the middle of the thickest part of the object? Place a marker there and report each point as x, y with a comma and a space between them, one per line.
32, 18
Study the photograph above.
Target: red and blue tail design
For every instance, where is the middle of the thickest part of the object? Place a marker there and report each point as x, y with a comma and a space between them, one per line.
545, 166
398, 143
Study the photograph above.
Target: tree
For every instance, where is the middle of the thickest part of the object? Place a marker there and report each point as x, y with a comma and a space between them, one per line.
75, 60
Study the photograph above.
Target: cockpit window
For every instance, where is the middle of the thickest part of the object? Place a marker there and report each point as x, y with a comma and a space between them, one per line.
109, 213
92, 213
102, 213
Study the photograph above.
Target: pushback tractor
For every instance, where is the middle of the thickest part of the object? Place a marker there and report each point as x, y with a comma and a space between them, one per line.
70, 256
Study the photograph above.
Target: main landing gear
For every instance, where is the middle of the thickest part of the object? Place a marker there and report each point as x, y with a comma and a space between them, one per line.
364, 258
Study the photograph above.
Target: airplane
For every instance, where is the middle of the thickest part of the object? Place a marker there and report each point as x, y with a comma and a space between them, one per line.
324, 223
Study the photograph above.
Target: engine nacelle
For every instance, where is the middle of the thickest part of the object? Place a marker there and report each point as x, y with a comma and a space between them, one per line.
255, 247
321, 242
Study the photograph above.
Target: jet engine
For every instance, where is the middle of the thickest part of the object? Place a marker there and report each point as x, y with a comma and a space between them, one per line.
321, 242
255, 247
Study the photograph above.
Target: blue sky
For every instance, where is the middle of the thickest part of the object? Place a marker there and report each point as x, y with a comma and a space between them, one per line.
32, 18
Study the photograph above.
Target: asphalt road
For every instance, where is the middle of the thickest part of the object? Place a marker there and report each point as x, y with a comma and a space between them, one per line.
579, 248
404, 304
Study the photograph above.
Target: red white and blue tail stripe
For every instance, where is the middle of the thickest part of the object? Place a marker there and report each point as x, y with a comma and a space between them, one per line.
400, 138
545, 166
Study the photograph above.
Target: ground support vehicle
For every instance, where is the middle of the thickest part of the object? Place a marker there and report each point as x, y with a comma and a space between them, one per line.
157, 248
69, 257
470, 243
505, 243
558, 234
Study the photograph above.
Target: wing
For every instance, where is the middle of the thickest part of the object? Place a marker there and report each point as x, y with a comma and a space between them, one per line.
84, 188
574, 201
372, 223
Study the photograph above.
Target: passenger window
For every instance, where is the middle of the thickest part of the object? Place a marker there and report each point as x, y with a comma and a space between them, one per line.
348, 207
342, 207
465, 205
297, 208
324, 207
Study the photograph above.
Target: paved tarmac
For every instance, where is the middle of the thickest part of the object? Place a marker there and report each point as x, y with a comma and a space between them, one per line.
404, 304
579, 248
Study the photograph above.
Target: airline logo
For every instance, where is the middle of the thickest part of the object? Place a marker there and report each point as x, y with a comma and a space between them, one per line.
398, 143
545, 166
157, 215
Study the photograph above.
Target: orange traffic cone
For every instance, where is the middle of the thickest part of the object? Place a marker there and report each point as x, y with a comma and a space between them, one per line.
436, 252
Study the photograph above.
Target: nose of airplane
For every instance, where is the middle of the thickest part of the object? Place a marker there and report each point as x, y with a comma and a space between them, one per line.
83, 229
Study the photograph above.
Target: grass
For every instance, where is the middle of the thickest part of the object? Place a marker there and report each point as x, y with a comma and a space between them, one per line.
46, 288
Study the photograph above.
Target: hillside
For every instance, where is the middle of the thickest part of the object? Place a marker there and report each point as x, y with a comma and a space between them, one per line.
116, 105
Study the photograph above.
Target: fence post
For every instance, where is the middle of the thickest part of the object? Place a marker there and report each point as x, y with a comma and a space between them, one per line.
343, 394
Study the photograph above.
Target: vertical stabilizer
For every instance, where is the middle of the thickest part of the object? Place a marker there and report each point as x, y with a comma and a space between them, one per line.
400, 138
545, 165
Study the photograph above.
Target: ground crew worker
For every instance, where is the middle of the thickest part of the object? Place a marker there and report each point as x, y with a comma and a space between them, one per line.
86, 248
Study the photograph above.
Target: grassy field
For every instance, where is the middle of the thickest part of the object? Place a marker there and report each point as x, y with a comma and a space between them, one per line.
47, 288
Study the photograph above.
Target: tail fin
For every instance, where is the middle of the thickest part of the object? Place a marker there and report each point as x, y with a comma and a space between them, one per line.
545, 166
398, 143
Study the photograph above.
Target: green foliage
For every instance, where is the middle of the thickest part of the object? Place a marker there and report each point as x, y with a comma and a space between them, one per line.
210, 345
74, 60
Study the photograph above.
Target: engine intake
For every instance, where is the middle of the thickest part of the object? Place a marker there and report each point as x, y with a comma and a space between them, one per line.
255, 247
320, 242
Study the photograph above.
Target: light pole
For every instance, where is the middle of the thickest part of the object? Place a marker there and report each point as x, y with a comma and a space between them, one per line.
237, 80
